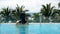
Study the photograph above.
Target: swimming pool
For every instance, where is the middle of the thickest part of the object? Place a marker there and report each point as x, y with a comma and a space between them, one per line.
30, 29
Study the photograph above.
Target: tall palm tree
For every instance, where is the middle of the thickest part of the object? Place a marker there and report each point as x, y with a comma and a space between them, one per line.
18, 11
47, 10
5, 13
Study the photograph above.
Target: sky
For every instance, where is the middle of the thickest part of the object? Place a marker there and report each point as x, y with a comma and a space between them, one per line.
32, 5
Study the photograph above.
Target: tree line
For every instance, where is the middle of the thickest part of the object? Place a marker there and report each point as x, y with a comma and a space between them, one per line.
13, 15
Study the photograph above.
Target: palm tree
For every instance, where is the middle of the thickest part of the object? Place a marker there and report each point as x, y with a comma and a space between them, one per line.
47, 11
18, 11
55, 14
5, 13
36, 17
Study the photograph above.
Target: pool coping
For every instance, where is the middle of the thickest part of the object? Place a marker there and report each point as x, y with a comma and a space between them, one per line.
32, 23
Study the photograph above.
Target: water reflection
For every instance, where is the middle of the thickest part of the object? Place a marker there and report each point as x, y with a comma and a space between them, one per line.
22, 29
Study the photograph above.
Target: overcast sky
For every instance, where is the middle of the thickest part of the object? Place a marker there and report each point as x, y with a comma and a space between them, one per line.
31, 5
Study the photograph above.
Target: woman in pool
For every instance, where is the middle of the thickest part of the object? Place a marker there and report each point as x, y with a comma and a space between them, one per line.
23, 19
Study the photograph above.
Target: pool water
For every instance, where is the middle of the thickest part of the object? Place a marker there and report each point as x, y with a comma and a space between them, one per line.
30, 29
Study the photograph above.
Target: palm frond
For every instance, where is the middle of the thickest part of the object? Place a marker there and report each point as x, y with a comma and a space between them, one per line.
47, 10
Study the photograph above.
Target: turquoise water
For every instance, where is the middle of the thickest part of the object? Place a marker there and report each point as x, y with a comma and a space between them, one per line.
30, 29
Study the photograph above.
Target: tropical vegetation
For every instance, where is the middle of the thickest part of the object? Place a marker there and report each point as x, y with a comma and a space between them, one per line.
48, 13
